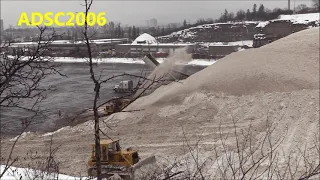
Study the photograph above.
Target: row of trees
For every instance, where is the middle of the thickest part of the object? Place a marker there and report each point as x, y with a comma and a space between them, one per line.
115, 30
262, 13
133, 32
256, 14
21, 80
110, 30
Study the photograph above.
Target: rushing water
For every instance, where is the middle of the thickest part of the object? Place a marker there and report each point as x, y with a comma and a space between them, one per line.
71, 94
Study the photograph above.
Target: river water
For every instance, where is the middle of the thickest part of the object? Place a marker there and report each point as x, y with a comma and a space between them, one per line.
71, 94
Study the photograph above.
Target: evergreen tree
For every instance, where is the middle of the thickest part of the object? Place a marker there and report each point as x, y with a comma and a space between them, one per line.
316, 4
254, 12
248, 15
169, 28
302, 8
261, 15
119, 30
158, 31
162, 31
184, 23
134, 33
225, 16
138, 33
230, 16
111, 29
129, 32
122, 33
241, 15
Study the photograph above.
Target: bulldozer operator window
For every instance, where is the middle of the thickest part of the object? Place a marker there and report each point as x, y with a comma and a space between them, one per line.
104, 153
117, 146
110, 149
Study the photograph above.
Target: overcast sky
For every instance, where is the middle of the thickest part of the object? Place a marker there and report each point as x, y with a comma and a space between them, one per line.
137, 12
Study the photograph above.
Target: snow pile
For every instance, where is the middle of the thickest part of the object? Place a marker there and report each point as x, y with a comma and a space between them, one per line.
289, 64
14, 173
278, 82
23, 135
262, 24
145, 39
54, 132
259, 36
301, 18
164, 70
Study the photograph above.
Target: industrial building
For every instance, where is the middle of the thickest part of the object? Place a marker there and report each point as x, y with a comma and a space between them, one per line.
71, 48
145, 43
220, 51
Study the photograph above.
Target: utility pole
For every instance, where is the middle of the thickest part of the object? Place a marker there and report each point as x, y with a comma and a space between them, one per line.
288, 5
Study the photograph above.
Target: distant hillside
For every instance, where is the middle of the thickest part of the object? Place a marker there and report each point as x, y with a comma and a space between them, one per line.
215, 32
235, 31
311, 19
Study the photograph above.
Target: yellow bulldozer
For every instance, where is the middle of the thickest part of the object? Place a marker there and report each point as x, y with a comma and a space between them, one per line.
116, 105
114, 160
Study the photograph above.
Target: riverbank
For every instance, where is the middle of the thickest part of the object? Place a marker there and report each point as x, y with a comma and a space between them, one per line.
277, 83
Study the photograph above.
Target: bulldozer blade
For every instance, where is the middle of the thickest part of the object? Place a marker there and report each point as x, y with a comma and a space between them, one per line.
153, 62
148, 160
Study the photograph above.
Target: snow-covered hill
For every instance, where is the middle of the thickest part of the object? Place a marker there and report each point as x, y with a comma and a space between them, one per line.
308, 19
225, 32
233, 31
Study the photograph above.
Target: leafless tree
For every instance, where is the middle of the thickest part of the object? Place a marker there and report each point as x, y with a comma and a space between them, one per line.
99, 81
22, 72
240, 154
39, 165
316, 4
22, 69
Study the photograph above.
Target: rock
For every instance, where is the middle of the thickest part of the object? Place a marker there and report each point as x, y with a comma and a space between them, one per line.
282, 105
115, 177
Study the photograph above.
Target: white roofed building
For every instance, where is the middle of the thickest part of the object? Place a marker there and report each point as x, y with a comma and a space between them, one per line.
145, 39
146, 43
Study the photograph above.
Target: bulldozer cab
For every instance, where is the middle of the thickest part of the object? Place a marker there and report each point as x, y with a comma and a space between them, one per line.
111, 153
109, 108
108, 149
115, 160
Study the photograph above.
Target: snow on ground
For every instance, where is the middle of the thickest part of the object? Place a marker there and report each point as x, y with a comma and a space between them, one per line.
52, 133
248, 43
192, 31
202, 62
250, 87
295, 19
97, 41
198, 62
14, 173
262, 24
301, 18
24, 134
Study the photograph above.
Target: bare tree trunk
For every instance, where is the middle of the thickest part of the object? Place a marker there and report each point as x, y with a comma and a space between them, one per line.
88, 4
21, 76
